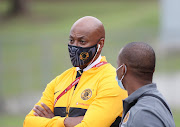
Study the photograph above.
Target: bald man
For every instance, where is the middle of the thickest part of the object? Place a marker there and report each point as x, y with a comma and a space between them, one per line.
86, 95
145, 105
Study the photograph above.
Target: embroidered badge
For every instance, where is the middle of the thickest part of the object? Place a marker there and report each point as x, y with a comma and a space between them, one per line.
84, 56
126, 117
86, 94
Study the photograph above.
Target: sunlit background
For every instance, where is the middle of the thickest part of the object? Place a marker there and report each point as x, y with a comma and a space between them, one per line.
34, 36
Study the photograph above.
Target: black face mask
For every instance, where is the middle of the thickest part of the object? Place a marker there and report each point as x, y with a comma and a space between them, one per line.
81, 56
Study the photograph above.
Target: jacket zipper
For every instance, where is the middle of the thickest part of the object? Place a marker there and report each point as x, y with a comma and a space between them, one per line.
67, 111
68, 107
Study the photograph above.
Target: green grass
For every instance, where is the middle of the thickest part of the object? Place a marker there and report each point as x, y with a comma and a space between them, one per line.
176, 115
17, 121
11, 121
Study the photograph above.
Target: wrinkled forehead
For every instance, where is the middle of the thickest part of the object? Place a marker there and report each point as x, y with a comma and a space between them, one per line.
84, 30
80, 30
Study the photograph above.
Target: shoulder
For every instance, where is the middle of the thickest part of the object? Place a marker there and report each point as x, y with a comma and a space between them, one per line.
141, 118
107, 74
149, 118
108, 83
152, 111
107, 71
155, 104
108, 67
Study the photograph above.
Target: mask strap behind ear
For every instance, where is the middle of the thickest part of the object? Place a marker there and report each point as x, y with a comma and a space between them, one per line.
94, 55
124, 72
119, 67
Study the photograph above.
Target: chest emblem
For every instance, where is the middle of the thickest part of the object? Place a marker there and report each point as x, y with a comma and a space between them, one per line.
86, 94
126, 117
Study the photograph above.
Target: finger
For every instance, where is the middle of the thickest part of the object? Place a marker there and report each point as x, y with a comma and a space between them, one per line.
46, 108
38, 112
35, 114
50, 113
41, 110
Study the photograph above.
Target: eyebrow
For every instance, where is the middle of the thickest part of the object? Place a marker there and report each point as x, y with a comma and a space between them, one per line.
81, 37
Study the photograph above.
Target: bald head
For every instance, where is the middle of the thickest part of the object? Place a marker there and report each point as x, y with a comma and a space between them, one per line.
90, 26
139, 57
88, 32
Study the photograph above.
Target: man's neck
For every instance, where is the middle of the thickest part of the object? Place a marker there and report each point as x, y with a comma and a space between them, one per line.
135, 85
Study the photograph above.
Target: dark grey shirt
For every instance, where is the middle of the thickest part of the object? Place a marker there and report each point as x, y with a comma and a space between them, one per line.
148, 111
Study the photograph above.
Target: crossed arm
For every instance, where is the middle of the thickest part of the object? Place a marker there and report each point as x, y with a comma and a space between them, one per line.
104, 109
47, 113
42, 113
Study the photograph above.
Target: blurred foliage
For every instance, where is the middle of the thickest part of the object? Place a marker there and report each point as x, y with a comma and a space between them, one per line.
34, 47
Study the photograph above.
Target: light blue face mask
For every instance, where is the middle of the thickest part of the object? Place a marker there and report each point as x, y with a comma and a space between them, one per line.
120, 81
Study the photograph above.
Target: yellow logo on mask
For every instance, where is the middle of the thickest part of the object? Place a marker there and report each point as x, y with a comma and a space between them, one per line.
84, 56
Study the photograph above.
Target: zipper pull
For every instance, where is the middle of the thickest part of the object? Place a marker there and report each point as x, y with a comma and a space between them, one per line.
66, 114
67, 111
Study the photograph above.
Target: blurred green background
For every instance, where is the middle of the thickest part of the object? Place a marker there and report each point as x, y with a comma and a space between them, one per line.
33, 46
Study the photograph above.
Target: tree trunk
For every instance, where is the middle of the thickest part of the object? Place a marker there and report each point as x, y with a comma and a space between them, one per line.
18, 7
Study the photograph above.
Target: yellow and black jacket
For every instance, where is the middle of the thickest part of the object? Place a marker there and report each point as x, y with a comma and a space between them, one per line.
97, 97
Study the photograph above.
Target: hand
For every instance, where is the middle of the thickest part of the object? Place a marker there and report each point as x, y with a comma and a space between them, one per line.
43, 112
73, 121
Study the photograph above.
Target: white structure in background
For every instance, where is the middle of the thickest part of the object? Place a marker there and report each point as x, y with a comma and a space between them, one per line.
170, 22
168, 85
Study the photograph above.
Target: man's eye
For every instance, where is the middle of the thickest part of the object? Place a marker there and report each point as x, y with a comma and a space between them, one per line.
71, 40
82, 41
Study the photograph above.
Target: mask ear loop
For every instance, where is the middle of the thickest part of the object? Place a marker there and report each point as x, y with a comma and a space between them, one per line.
124, 73
94, 56
119, 67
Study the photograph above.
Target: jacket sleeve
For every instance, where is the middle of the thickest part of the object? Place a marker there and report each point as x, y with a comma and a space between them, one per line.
107, 105
47, 98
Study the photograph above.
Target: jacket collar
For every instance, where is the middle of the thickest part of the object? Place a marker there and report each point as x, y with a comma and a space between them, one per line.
91, 65
136, 94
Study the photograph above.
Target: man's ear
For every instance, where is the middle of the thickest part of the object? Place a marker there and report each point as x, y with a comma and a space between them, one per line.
124, 69
101, 43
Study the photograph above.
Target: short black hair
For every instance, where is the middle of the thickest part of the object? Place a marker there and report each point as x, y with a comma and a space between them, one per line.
140, 59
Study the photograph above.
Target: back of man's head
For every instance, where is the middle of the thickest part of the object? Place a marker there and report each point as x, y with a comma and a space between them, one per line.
140, 60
